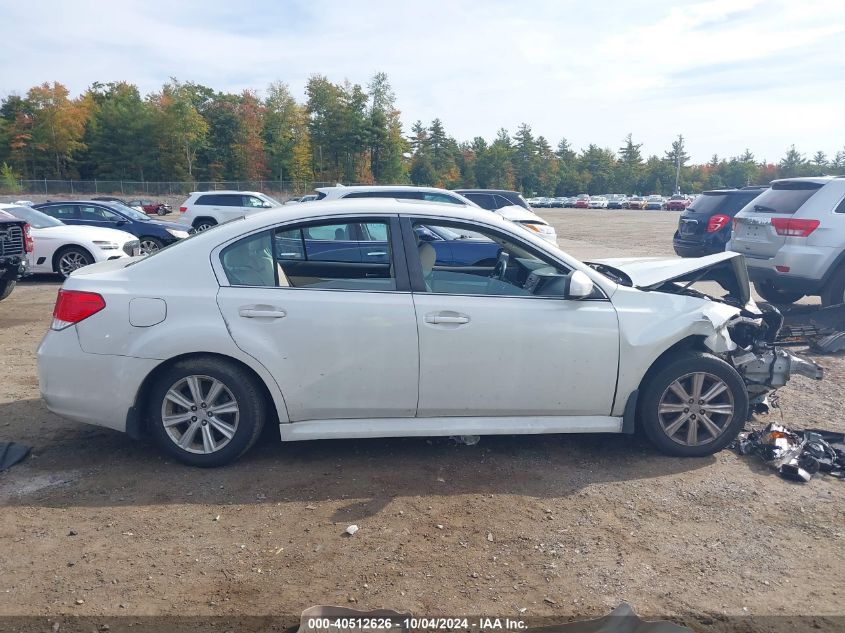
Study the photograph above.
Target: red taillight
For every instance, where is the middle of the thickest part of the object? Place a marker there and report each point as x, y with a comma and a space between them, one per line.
183, 209
717, 222
28, 244
73, 306
791, 227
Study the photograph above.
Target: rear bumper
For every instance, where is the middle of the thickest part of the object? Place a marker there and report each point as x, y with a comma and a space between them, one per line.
808, 267
787, 283
95, 389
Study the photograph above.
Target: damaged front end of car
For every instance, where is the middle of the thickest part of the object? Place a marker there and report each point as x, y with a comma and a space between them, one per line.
736, 328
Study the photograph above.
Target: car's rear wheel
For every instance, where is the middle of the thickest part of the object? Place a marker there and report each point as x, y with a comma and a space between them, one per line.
72, 258
161, 211
694, 405
770, 293
150, 245
206, 412
6, 287
203, 224
834, 291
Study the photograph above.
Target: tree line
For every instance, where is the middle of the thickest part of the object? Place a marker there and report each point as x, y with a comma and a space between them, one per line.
341, 132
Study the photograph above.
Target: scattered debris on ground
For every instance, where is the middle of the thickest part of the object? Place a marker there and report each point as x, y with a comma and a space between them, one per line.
11, 453
823, 329
796, 455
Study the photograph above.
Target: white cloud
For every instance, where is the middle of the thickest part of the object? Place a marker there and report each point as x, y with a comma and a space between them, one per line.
728, 74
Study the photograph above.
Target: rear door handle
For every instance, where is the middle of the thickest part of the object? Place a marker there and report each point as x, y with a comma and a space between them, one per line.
258, 313
437, 319
377, 254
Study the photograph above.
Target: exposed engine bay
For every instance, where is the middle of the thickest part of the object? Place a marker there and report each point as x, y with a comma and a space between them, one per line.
749, 338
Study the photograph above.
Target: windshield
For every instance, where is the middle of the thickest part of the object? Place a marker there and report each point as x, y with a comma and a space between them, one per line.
129, 211
276, 203
35, 218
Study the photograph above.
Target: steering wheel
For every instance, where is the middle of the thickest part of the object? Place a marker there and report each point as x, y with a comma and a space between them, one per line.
501, 267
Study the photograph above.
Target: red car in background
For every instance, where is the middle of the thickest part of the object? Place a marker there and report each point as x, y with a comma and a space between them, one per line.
149, 207
582, 201
677, 203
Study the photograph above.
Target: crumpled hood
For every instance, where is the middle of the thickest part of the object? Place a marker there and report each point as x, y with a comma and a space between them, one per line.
648, 273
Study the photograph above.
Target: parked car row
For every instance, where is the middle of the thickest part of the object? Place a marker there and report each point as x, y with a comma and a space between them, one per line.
614, 201
204, 210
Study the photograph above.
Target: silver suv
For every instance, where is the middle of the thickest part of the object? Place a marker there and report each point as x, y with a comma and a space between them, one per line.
793, 239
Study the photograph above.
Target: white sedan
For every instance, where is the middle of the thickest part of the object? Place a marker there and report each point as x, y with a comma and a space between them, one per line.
598, 202
341, 320
61, 248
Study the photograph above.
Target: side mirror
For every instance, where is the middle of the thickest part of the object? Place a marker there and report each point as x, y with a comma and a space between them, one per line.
266, 205
121, 223
579, 286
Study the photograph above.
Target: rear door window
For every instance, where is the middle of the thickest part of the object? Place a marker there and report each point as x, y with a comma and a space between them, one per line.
483, 200
785, 197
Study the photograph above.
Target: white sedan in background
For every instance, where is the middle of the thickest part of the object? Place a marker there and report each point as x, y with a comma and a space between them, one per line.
597, 202
61, 248
343, 320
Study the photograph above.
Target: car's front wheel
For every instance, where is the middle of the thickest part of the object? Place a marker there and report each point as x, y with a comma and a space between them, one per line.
206, 412
694, 405
72, 258
6, 287
150, 245
770, 293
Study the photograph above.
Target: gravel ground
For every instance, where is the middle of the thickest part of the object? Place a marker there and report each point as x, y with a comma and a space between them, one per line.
98, 527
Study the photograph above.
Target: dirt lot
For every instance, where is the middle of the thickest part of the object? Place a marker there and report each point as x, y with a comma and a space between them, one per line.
96, 525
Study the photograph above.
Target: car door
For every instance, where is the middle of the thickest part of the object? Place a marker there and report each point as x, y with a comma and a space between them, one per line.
67, 213
338, 333
491, 347
93, 215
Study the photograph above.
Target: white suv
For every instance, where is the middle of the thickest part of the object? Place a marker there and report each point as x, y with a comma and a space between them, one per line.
204, 209
515, 213
793, 239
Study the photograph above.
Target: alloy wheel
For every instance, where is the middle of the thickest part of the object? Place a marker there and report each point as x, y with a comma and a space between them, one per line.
148, 246
696, 409
200, 414
70, 261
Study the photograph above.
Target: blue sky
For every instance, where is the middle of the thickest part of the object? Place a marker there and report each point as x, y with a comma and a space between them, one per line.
728, 74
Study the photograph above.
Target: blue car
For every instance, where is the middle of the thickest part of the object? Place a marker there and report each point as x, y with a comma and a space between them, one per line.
153, 234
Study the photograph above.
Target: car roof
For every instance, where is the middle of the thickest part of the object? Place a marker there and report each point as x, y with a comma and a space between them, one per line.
486, 191
352, 188
821, 180
235, 191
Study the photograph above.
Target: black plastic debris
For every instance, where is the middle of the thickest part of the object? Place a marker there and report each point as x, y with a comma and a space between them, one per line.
11, 453
822, 328
796, 455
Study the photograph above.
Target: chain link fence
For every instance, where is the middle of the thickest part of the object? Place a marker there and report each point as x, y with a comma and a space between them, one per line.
285, 188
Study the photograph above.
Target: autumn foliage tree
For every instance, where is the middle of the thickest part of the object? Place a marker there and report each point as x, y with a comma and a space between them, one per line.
337, 132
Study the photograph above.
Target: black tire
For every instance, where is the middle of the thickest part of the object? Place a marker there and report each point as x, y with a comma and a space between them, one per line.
6, 287
241, 387
161, 211
150, 244
770, 293
62, 260
203, 224
834, 291
683, 367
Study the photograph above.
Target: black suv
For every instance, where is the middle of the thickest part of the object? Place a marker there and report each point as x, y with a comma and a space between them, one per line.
704, 227
15, 243
493, 199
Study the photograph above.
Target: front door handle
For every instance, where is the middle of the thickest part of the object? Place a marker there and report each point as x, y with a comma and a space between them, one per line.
261, 313
438, 318
377, 254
